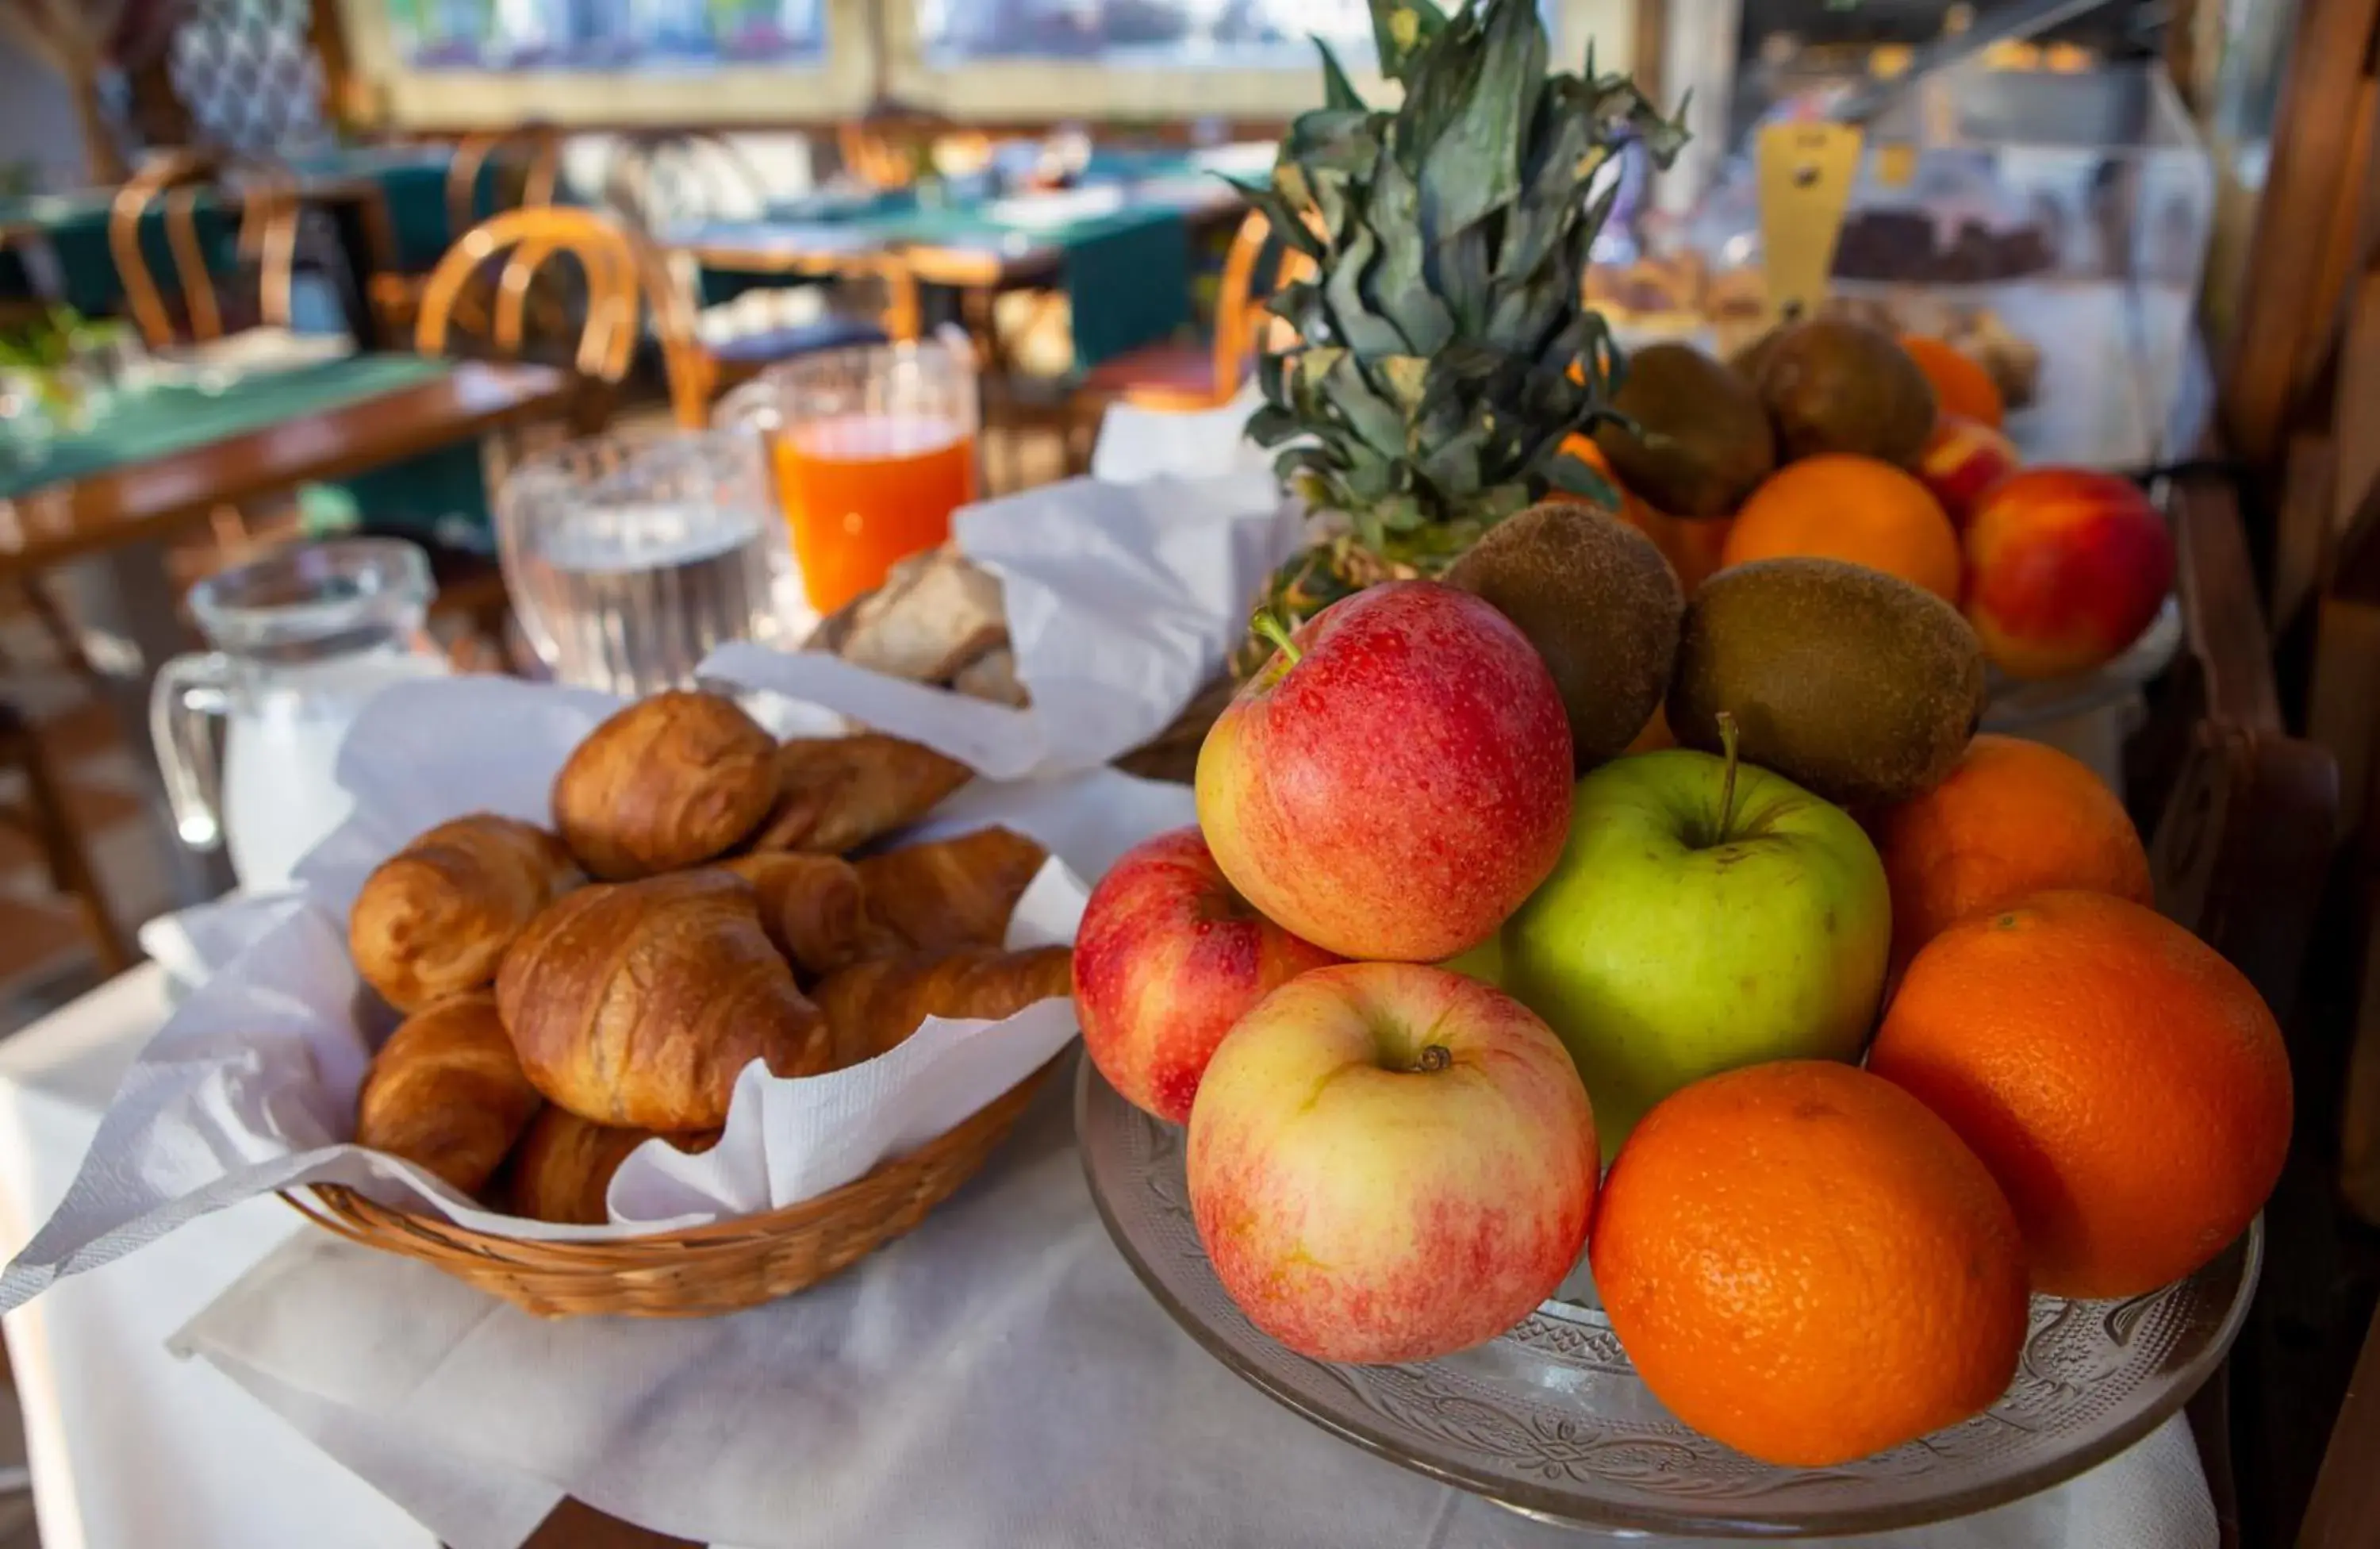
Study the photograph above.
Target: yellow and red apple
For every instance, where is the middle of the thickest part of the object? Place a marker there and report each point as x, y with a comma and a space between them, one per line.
1388, 1161
1395, 780
1168, 956
2065, 568
1962, 462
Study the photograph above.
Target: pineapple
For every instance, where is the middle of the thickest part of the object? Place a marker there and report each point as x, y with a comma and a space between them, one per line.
1445, 350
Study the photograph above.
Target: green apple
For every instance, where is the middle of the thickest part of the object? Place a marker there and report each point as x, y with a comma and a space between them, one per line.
1703, 916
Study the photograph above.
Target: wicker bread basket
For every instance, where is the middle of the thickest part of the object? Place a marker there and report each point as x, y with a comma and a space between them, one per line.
724, 1267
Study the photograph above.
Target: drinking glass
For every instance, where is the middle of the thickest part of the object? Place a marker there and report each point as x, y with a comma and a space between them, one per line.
628, 558
873, 448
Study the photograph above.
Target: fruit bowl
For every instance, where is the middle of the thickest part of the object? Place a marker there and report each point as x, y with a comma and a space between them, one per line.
1549, 1420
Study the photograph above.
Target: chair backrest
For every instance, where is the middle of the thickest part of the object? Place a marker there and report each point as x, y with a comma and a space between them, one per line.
180, 181
532, 149
626, 281
655, 176
1240, 320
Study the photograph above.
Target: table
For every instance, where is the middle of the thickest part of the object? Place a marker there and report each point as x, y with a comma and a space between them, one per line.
102, 534
131, 1448
202, 1452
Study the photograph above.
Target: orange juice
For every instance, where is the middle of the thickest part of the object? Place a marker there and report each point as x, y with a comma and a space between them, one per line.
861, 491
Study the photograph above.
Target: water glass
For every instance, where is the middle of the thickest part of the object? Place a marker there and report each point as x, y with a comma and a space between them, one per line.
628, 558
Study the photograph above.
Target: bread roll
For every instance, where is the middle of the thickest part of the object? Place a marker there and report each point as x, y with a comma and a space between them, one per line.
667, 782
561, 1169
639, 1003
436, 918
953, 892
836, 793
872, 1006
446, 1092
812, 908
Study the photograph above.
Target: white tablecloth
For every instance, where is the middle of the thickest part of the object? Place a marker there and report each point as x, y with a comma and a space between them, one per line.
998, 1378
132, 1448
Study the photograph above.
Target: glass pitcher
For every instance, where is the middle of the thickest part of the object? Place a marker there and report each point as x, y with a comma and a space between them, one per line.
302, 638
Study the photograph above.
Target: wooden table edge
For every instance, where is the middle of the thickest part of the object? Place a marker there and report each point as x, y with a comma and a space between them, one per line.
534, 390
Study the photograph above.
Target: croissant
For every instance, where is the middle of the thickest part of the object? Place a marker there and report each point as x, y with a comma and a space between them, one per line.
812, 908
639, 1003
955, 893
872, 1006
836, 793
446, 1092
561, 1169
436, 917
667, 782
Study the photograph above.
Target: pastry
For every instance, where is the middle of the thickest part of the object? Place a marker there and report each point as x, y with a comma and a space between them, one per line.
872, 1006
639, 1003
561, 1169
992, 677
435, 918
812, 907
837, 793
954, 893
446, 1094
944, 616
667, 782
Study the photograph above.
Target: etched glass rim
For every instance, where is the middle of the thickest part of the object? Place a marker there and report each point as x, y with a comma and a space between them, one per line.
1578, 1508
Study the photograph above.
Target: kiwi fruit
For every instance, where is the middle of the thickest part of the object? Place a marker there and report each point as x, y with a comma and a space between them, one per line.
1699, 438
1834, 386
1597, 601
1852, 683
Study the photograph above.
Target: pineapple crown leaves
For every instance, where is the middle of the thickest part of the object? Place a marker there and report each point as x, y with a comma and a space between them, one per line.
1444, 349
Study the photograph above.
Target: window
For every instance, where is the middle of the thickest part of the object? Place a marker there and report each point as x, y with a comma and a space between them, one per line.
1193, 34
675, 35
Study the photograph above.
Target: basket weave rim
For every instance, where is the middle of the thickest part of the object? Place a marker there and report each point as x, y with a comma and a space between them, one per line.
338, 1207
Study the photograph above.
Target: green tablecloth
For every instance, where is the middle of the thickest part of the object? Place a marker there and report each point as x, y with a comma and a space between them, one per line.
140, 427
1127, 271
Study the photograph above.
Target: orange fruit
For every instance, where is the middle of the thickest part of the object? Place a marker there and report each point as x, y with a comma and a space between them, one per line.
2013, 817
1806, 1264
1840, 506
1961, 384
2124, 1083
1691, 547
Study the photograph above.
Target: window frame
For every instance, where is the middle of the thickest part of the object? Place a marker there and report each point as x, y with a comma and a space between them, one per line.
445, 100
1023, 91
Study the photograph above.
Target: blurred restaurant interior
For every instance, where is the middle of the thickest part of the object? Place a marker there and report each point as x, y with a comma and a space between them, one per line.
346, 342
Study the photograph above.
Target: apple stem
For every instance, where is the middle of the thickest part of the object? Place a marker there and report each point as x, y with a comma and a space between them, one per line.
1727, 777
1434, 1056
1267, 625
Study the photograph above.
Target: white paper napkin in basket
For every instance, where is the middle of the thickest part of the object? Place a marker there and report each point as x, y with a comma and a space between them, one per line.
1122, 602
251, 1086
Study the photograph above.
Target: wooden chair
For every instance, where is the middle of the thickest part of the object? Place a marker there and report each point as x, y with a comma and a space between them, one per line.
526, 166
626, 284
180, 181
44, 815
1186, 376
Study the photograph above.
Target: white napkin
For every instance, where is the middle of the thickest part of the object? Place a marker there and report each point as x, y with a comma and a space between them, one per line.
251, 1086
996, 1377
1136, 444
1122, 602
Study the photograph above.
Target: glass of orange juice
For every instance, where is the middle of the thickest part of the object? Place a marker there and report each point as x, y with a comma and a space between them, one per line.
873, 448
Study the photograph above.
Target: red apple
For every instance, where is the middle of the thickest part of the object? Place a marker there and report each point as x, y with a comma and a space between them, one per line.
2065, 568
1395, 780
1388, 1161
1167, 959
1962, 462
